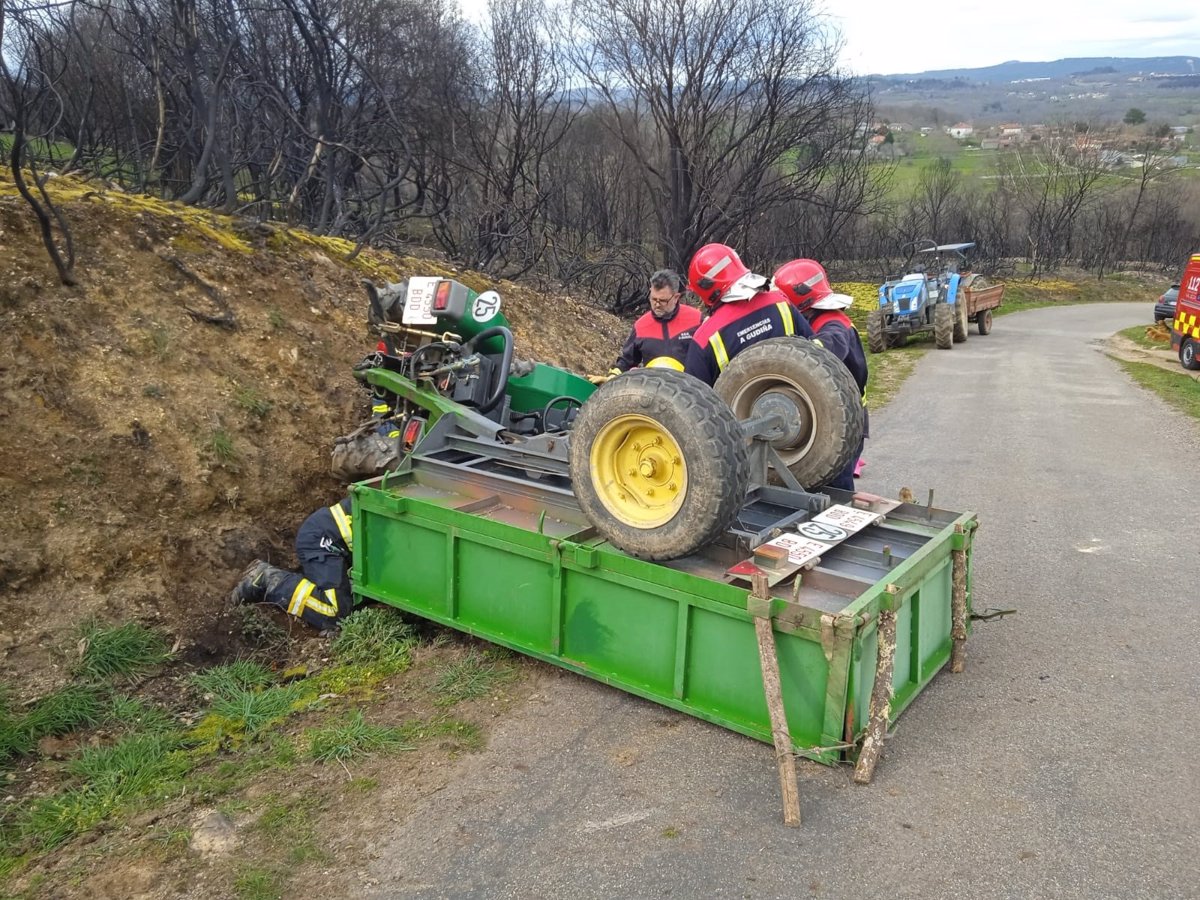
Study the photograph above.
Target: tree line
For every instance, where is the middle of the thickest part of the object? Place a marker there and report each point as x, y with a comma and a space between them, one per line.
581, 141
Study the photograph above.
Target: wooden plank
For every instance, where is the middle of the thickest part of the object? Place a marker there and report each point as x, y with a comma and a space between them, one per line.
881, 698
958, 608
772, 686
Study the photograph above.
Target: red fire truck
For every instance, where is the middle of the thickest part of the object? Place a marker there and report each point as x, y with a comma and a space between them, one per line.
1185, 330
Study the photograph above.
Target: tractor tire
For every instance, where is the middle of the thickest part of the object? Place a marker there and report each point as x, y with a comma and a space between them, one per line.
943, 326
659, 464
877, 339
814, 392
960, 320
984, 320
1187, 354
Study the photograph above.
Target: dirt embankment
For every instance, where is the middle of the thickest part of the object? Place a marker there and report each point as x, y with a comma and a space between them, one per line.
148, 451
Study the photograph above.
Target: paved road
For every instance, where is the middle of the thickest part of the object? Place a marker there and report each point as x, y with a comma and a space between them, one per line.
1062, 764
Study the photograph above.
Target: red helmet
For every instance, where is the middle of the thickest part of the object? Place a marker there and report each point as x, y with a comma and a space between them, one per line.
713, 270
803, 281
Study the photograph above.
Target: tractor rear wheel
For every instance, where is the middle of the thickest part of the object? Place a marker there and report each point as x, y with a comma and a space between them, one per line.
876, 336
659, 464
814, 393
984, 320
960, 320
943, 326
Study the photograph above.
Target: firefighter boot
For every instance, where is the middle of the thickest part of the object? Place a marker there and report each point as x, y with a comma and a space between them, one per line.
251, 587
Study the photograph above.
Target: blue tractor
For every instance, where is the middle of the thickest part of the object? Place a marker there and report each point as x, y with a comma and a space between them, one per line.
927, 298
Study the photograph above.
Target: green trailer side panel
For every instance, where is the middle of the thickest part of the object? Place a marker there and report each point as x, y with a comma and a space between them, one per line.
660, 632
521, 612
597, 632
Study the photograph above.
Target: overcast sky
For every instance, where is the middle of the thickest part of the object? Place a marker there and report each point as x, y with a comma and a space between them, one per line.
888, 37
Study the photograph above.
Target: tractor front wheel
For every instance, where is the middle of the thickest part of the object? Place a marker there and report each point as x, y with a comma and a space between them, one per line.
659, 464
876, 335
943, 326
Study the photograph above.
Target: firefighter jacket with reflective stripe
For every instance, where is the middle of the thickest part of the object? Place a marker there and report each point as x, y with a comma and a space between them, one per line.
735, 326
837, 334
327, 531
652, 337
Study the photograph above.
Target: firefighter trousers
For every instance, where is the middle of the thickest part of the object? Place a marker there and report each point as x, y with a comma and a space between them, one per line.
320, 595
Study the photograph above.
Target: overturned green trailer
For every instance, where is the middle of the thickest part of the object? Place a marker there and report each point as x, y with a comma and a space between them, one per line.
644, 533
519, 565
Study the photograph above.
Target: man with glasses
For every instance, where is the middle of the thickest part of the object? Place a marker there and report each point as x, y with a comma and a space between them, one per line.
661, 336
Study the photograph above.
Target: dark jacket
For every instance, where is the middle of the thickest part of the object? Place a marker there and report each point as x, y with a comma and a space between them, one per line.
652, 337
837, 334
735, 326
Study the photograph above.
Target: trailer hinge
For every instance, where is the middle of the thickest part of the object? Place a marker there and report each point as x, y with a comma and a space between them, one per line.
585, 557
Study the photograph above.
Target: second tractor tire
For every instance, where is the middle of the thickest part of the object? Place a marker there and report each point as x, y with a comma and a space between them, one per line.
659, 464
876, 336
814, 388
943, 326
961, 323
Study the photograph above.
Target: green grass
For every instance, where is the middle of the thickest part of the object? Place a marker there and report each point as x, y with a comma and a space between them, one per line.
248, 712
354, 737
376, 637
132, 714
288, 825
887, 372
1178, 389
1137, 334
137, 765
220, 445
74, 706
257, 883
252, 402
122, 650
109, 779
245, 701
233, 678
455, 734
160, 342
475, 675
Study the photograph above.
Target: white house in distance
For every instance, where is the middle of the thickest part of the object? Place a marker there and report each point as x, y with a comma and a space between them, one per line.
960, 131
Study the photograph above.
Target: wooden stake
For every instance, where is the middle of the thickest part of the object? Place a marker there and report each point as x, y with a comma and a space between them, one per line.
958, 609
773, 687
881, 698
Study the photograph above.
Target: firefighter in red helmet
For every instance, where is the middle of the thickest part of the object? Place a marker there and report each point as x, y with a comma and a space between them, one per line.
805, 283
744, 310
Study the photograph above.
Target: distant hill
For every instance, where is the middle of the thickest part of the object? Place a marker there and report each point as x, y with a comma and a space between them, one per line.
1059, 69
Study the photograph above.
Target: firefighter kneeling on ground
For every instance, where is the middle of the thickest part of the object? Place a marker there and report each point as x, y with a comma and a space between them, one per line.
806, 285
745, 310
321, 595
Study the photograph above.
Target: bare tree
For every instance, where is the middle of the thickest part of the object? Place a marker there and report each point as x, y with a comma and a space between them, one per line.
938, 189
730, 109
28, 91
1051, 184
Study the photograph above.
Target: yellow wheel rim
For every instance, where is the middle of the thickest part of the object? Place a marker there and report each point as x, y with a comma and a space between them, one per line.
638, 471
